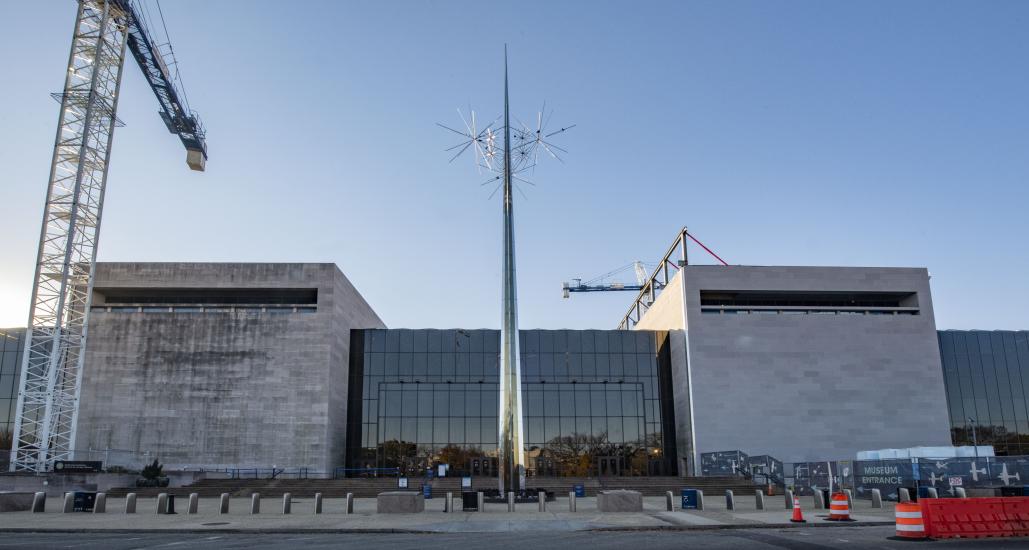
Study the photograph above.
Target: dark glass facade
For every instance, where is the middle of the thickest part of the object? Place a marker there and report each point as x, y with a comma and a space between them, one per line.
11, 343
594, 402
986, 374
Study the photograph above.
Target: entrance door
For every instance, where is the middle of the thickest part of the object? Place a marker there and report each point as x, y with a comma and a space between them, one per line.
609, 466
482, 466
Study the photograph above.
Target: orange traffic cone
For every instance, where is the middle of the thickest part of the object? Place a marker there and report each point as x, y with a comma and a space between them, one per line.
798, 516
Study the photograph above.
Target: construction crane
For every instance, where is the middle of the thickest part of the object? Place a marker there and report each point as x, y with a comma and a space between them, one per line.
51, 371
597, 284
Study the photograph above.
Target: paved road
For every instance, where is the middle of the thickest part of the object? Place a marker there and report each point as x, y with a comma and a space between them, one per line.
800, 539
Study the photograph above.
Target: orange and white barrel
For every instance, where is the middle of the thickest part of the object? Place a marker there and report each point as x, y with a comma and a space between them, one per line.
839, 509
909, 521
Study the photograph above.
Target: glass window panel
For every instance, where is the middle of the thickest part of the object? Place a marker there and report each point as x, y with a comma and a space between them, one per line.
567, 425
546, 341
441, 430
534, 402
551, 402
489, 399
644, 341
561, 366
393, 403
410, 398
552, 428
406, 341
582, 402
406, 366
574, 341
409, 429
647, 365
589, 366
392, 365
421, 365
547, 367
629, 365
489, 430
600, 341
567, 399
425, 430
462, 341
462, 366
614, 341
614, 429
615, 360
376, 363
476, 341
392, 340
475, 370
534, 430
588, 343
560, 341
630, 407
435, 364
457, 436
457, 399
434, 340
391, 429
447, 366
598, 402
473, 403
491, 342
603, 366
631, 429
529, 340
491, 366
582, 425
614, 401
530, 366
441, 402
425, 403
375, 340
575, 366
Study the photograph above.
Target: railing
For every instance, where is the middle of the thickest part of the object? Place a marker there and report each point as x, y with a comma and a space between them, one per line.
268, 473
341, 472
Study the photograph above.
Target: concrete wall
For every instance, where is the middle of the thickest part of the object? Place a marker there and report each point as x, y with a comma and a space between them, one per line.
810, 387
222, 389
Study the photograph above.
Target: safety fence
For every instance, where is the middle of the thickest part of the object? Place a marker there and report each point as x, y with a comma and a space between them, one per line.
967, 518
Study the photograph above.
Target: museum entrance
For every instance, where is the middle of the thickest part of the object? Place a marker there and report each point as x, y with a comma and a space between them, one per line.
610, 466
482, 466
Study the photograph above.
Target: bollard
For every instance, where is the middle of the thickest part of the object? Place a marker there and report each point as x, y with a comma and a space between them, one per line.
960, 492
669, 500
255, 503
700, 499
317, 503
287, 503
69, 503
482, 502
903, 495
931, 492
510, 501
100, 503
850, 499
542, 497
162, 503
759, 500
789, 499
38, 503
730, 504
571, 501
223, 504
194, 503
819, 500
350, 503
877, 498
130, 503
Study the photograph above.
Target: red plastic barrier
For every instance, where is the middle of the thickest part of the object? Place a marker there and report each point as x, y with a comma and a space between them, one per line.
975, 517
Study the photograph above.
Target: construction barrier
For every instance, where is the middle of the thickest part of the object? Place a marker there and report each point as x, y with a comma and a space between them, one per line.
839, 508
909, 521
976, 517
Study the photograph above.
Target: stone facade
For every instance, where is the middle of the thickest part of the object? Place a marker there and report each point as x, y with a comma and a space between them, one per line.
201, 385
798, 385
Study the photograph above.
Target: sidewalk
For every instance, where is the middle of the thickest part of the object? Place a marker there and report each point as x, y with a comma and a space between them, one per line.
364, 519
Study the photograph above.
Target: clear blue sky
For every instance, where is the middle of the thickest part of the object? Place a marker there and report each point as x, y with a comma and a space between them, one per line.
782, 133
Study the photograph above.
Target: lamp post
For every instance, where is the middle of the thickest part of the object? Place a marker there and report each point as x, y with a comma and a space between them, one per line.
975, 440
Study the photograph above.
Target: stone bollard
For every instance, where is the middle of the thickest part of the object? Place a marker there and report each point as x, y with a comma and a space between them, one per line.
759, 500
130, 503
700, 499
730, 503
960, 492
931, 492
669, 501
510, 501
317, 503
100, 504
162, 503
850, 499
819, 500
542, 496
223, 503
287, 503
38, 503
481, 501
350, 503
789, 499
903, 495
194, 503
255, 503
877, 498
571, 501
69, 503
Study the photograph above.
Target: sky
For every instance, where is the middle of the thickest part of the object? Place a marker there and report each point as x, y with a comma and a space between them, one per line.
872, 133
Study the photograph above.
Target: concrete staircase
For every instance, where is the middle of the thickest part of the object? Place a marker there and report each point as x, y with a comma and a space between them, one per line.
370, 487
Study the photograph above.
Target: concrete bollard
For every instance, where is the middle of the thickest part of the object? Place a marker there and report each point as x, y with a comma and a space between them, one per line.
850, 499
223, 503
759, 500
877, 498
481, 502
194, 503
960, 492
903, 495
510, 501
669, 501
819, 500
730, 503
350, 503
100, 504
789, 499
571, 501
38, 503
287, 503
130, 503
317, 503
162, 503
542, 496
931, 492
69, 503
255, 503
700, 499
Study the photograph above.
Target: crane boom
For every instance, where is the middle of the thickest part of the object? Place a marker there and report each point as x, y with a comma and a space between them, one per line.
51, 370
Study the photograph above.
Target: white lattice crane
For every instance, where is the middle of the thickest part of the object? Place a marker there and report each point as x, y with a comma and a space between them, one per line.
51, 372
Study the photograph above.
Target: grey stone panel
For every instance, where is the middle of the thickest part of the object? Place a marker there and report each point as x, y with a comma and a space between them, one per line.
400, 502
620, 501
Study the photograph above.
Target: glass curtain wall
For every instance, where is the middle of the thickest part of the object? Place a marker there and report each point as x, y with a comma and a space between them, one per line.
11, 343
591, 401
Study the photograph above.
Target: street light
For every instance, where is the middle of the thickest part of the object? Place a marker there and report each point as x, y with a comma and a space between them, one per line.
975, 440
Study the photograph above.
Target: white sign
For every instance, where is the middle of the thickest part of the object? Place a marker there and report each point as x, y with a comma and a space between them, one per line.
402, 482
466, 482
442, 471
955, 481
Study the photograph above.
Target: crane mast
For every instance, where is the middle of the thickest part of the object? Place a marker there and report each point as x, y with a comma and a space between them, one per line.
51, 371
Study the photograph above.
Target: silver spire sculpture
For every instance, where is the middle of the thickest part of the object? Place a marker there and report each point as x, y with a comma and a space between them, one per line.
508, 153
